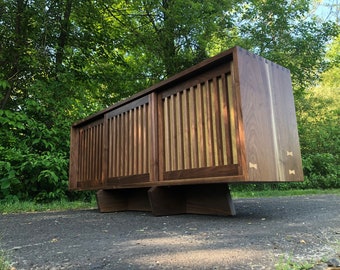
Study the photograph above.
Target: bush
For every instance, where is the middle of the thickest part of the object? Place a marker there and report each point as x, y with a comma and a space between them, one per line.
34, 161
321, 171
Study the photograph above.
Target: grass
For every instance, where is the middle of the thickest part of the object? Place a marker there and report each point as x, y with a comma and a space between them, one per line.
29, 206
4, 263
288, 264
278, 193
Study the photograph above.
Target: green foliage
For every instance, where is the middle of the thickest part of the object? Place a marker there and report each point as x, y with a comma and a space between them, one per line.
289, 264
32, 166
274, 192
63, 60
57, 205
4, 262
321, 171
318, 113
284, 32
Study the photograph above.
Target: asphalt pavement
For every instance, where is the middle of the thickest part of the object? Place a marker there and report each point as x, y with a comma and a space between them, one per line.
266, 233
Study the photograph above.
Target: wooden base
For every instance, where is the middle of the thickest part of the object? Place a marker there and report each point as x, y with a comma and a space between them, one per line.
199, 199
212, 199
115, 200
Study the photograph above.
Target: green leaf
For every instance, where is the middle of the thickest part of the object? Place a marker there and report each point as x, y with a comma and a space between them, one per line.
5, 183
4, 84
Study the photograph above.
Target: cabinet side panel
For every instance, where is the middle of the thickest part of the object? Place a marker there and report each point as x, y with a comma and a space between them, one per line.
285, 120
257, 115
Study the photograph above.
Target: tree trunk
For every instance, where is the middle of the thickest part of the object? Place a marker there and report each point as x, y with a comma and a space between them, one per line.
64, 33
17, 51
169, 49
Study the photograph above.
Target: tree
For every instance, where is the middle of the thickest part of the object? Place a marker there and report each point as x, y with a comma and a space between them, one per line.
284, 32
318, 113
63, 60
164, 37
34, 100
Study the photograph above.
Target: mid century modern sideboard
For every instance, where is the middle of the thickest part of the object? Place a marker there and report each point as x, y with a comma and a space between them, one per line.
174, 147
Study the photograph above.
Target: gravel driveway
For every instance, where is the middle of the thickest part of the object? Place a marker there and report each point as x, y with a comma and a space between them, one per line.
265, 233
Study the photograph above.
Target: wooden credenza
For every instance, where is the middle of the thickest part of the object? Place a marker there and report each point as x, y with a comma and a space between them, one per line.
175, 146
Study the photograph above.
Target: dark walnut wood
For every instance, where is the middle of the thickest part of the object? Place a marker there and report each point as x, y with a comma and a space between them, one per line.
229, 119
211, 199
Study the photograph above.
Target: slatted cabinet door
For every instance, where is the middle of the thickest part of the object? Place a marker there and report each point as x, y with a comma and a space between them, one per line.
198, 127
90, 155
127, 143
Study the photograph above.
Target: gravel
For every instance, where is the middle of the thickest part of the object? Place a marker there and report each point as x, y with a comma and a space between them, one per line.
266, 233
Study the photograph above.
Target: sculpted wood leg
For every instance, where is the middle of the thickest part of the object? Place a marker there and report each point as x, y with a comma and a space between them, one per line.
210, 200
111, 201
138, 199
167, 200
123, 200
214, 199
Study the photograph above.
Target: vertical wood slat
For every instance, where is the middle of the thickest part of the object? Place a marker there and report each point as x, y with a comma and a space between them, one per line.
200, 126
224, 120
94, 152
145, 140
167, 150
91, 144
130, 146
173, 139
87, 160
81, 155
153, 141
114, 143
89, 154
216, 113
139, 142
207, 122
227, 143
179, 132
232, 120
186, 131
126, 164
134, 141
100, 151
120, 148
193, 129
126, 143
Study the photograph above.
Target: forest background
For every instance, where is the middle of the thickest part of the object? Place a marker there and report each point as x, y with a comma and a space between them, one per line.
63, 60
